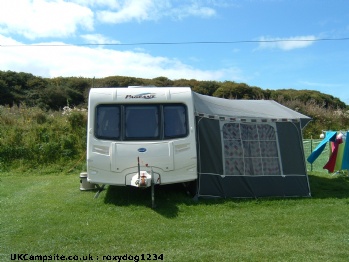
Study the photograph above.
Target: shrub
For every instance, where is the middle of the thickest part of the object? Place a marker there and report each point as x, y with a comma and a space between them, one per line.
37, 138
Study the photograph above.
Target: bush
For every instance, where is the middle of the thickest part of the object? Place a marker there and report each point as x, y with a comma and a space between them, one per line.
37, 138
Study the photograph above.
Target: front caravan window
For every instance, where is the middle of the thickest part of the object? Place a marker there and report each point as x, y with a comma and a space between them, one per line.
141, 122
108, 122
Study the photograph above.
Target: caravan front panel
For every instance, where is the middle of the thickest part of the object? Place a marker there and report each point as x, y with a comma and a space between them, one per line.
141, 130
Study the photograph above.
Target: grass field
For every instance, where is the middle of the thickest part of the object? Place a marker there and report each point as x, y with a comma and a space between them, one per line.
49, 215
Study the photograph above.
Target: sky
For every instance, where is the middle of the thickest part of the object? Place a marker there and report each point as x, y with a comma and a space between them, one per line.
271, 44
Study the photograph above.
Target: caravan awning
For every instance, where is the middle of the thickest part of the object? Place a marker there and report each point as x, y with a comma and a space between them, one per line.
214, 107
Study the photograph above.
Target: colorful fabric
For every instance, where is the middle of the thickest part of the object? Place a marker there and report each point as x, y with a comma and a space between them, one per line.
330, 136
330, 165
345, 158
339, 160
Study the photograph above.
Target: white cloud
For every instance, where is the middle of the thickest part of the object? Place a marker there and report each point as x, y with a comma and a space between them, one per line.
286, 43
143, 10
192, 10
48, 60
133, 10
35, 19
40, 18
114, 4
98, 39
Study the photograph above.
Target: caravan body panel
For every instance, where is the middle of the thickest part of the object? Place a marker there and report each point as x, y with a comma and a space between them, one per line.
135, 130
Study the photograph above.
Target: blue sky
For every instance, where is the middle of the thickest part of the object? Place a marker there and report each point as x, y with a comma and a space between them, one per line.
272, 44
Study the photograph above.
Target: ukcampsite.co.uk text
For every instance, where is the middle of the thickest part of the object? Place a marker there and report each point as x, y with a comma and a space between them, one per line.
57, 257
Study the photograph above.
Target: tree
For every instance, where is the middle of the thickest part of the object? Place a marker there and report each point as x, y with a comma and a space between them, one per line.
6, 98
162, 81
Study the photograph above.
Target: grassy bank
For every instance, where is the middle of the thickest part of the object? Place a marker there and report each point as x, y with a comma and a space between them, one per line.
48, 214
33, 139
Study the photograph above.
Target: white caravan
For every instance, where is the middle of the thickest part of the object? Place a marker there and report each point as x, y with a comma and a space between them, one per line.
141, 136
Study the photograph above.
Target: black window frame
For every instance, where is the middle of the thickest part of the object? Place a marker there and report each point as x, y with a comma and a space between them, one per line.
161, 122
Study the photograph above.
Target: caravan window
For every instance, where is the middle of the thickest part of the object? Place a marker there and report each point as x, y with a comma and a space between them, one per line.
175, 121
108, 122
141, 122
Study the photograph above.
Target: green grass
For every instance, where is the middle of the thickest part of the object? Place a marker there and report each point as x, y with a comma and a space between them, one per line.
48, 214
